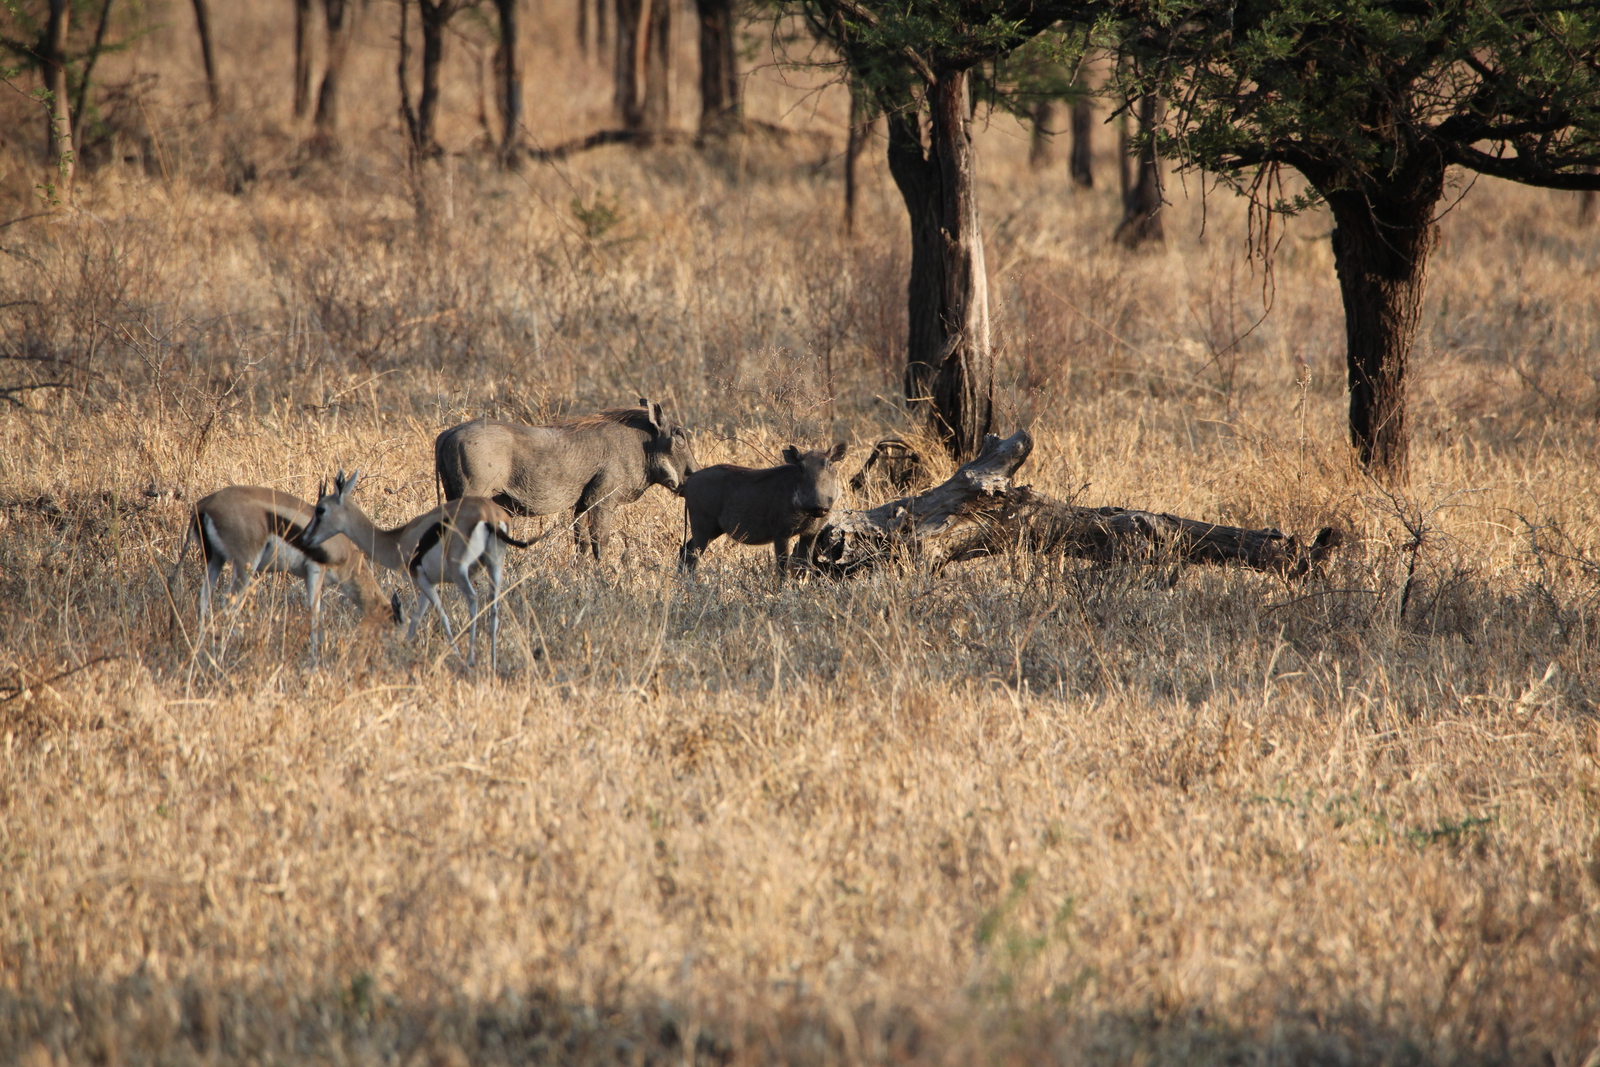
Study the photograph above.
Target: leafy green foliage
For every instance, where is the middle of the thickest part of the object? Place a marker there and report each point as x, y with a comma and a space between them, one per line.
1018, 50
1352, 92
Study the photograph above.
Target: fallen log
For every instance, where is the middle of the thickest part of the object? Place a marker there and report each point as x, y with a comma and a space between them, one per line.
978, 512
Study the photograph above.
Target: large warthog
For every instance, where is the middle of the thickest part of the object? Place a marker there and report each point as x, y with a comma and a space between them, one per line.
591, 464
768, 506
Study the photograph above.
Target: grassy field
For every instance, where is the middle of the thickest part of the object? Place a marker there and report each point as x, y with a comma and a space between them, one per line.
1012, 812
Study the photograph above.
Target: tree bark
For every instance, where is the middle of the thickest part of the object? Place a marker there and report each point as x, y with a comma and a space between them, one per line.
583, 28
434, 16
408, 114
1080, 164
626, 90
644, 30
963, 387
1124, 171
1382, 239
508, 82
88, 63
1040, 136
302, 58
720, 103
1141, 214
949, 358
855, 141
339, 20
979, 512
202, 23
657, 66
55, 82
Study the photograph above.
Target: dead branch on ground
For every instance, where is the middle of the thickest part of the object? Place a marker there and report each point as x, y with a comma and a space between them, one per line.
979, 512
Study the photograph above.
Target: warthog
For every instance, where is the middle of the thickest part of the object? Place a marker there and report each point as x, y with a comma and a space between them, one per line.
591, 464
766, 506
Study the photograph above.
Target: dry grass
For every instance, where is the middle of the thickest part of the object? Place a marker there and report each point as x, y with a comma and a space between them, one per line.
1007, 813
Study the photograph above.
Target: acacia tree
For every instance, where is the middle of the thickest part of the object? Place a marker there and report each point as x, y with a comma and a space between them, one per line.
202, 25
1372, 101
641, 74
720, 105
508, 82
917, 60
55, 82
340, 16
1141, 190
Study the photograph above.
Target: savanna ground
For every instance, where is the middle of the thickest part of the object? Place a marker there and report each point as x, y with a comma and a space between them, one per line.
1010, 812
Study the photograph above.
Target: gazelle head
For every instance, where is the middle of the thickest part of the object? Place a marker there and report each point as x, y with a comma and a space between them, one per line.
329, 518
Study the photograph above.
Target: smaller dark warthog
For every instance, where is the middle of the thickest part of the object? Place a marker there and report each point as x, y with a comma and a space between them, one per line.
591, 464
758, 507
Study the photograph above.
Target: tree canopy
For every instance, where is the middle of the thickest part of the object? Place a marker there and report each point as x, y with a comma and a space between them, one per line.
1349, 91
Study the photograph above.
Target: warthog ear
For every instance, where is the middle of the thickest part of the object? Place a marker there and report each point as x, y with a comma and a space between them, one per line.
837, 453
791, 454
658, 418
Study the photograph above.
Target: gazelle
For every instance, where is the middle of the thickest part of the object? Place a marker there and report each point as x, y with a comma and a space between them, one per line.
451, 541
259, 529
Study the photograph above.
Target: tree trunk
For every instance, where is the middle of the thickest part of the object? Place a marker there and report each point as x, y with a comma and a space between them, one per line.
508, 82
720, 105
1124, 171
583, 28
1080, 164
55, 82
408, 114
657, 66
1040, 136
434, 15
1141, 209
1586, 207
644, 30
949, 359
1381, 243
602, 13
302, 58
978, 512
855, 141
88, 71
339, 21
626, 90
202, 24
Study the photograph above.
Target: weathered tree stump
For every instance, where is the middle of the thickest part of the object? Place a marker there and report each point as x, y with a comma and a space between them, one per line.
979, 512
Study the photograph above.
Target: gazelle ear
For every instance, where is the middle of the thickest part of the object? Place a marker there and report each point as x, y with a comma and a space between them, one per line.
344, 485
791, 454
837, 454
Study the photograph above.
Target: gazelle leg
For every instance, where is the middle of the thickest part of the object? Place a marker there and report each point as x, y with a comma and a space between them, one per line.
428, 594
463, 580
314, 576
494, 565
208, 585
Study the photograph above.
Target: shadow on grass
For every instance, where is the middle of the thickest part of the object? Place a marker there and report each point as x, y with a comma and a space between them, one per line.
138, 1021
